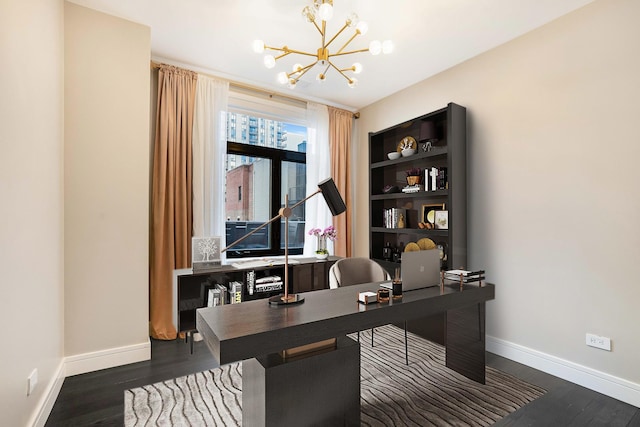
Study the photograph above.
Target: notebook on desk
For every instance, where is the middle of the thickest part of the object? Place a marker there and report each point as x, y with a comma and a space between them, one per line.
420, 269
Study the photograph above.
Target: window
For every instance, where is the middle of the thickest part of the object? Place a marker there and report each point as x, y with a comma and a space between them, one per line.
266, 162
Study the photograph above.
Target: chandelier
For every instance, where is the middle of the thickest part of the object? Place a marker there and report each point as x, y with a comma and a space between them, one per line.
322, 11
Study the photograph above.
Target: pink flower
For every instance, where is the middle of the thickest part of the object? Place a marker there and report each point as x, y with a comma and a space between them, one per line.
330, 232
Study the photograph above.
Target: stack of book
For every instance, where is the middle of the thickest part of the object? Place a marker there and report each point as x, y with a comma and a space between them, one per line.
412, 188
464, 276
268, 284
217, 295
436, 178
392, 217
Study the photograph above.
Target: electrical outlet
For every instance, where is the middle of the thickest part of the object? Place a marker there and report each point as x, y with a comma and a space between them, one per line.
32, 380
599, 342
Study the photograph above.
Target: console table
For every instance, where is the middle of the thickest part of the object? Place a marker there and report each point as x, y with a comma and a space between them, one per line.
307, 274
256, 333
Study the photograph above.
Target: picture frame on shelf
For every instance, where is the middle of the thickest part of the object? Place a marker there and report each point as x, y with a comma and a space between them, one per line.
428, 212
205, 252
441, 220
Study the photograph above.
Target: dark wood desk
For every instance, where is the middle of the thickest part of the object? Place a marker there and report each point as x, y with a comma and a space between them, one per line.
254, 329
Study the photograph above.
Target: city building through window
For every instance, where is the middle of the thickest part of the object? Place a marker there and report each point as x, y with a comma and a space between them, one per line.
266, 162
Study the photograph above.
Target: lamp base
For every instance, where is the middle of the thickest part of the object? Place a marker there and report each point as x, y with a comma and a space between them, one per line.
290, 300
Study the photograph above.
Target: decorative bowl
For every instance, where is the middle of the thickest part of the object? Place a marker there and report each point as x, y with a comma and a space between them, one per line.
393, 155
408, 152
388, 189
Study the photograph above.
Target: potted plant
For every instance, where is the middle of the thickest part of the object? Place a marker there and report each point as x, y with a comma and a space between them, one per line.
322, 235
413, 176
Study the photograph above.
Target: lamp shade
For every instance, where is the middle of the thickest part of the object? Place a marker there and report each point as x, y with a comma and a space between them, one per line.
427, 131
332, 196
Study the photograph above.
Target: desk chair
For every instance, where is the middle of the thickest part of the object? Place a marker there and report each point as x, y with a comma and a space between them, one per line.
354, 271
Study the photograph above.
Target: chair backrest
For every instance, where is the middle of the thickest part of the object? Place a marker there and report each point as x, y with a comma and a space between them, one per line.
353, 271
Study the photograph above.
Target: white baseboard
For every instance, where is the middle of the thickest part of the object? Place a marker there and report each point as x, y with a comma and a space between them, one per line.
609, 385
94, 361
83, 363
45, 405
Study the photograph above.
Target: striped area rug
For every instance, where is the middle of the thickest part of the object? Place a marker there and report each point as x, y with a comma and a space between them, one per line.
425, 393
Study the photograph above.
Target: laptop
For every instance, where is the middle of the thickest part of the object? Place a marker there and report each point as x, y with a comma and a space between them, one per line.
420, 269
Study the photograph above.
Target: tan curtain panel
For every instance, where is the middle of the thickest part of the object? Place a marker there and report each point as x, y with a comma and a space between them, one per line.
340, 129
171, 194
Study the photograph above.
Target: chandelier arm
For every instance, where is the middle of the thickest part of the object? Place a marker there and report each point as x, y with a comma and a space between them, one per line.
340, 71
287, 52
337, 34
318, 28
300, 52
304, 70
324, 31
279, 49
350, 52
308, 67
348, 41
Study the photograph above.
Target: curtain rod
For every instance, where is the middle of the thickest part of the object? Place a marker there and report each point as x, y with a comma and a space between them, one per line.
256, 89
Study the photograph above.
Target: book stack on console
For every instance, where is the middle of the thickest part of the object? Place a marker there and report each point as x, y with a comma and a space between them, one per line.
464, 276
268, 284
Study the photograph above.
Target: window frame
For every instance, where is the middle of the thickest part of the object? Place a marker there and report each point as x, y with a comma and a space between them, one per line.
277, 156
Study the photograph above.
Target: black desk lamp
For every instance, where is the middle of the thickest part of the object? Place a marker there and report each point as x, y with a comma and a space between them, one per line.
336, 206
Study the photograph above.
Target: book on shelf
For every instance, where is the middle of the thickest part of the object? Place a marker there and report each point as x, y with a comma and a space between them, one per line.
269, 283
214, 297
436, 178
269, 287
269, 279
412, 188
235, 292
250, 280
442, 179
223, 293
391, 217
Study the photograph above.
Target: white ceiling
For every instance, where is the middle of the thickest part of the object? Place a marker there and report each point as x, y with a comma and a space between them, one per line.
215, 37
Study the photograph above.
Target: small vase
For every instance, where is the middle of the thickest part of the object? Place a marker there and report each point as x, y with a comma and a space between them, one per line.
321, 249
413, 180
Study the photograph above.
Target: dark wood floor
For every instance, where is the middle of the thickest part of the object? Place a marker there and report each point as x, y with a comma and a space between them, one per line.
97, 398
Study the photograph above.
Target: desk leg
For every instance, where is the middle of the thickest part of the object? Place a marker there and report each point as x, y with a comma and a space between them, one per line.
320, 389
465, 341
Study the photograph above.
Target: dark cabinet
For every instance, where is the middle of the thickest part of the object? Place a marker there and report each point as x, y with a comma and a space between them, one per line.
306, 274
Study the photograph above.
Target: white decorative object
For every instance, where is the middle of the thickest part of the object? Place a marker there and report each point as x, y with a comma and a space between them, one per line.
205, 252
434, 177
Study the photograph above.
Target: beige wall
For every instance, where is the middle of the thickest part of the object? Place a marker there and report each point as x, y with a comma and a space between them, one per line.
553, 179
31, 204
106, 186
